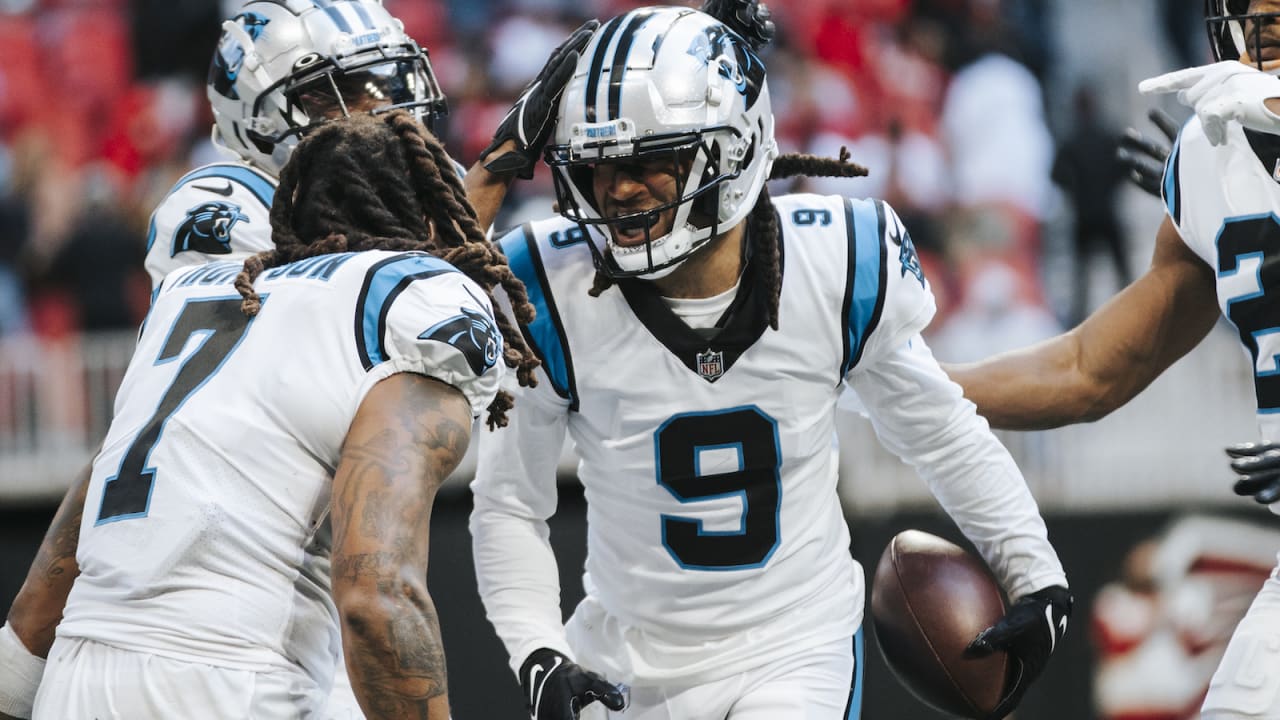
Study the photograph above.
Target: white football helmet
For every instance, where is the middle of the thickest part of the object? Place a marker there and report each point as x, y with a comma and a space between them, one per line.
1225, 21
673, 82
284, 65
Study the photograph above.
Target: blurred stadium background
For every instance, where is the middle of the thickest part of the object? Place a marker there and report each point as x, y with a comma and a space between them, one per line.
988, 124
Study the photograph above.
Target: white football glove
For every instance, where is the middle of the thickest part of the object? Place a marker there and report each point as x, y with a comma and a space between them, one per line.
1224, 92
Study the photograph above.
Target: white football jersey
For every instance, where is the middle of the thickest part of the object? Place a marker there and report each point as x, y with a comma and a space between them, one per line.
205, 534
1225, 203
221, 211
716, 539
217, 212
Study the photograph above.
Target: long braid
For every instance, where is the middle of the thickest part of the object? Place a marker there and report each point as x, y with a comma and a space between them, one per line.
463, 244
763, 219
348, 188
766, 251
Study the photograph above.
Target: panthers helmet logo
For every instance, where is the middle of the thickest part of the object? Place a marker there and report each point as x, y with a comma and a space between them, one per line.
907, 256
207, 228
473, 333
746, 71
230, 55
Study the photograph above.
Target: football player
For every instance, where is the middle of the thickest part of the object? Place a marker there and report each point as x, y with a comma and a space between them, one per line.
695, 335
1217, 253
259, 433
279, 69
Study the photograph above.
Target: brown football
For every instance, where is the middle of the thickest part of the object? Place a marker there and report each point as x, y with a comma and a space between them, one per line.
929, 599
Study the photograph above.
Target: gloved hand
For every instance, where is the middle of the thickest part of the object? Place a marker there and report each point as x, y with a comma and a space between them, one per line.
1258, 465
749, 18
530, 120
1029, 632
1221, 93
1145, 157
556, 688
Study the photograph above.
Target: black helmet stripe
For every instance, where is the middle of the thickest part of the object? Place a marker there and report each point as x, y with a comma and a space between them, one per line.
625, 41
597, 65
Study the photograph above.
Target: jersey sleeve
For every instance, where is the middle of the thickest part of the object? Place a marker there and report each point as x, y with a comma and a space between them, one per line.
887, 298
514, 493
921, 416
218, 212
1171, 185
418, 314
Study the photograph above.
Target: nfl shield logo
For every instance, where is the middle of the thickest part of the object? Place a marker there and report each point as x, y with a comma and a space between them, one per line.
1275, 174
711, 364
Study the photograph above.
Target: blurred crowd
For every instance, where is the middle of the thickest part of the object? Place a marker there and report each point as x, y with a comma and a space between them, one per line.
102, 107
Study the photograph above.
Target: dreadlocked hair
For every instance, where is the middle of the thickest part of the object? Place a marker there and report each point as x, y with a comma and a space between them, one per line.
385, 183
762, 222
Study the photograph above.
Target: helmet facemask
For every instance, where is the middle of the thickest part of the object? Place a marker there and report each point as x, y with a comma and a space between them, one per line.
323, 88
280, 70
695, 158
1234, 31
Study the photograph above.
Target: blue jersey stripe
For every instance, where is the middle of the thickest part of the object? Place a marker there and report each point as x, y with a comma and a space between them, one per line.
864, 291
544, 333
262, 188
383, 283
1172, 192
854, 711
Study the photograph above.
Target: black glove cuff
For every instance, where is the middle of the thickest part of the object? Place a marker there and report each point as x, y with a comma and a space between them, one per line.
511, 163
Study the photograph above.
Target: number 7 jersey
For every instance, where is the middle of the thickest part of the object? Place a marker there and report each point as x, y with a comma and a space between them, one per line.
205, 532
716, 539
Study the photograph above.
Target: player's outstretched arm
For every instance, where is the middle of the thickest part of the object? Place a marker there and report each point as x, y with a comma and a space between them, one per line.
409, 433
1113, 355
517, 143
37, 610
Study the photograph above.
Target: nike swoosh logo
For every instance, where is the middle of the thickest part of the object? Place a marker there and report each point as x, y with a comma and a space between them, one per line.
224, 191
535, 688
1053, 635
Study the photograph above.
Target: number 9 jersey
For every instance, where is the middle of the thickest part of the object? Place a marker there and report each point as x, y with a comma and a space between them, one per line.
716, 540
205, 535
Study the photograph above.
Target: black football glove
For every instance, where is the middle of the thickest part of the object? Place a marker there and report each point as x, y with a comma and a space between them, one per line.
530, 120
749, 18
1258, 465
556, 688
1030, 631
1145, 157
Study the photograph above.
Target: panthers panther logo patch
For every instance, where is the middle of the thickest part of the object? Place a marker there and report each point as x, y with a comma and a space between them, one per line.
207, 228
473, 333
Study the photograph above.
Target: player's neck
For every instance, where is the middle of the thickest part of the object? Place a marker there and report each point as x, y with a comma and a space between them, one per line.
710, 271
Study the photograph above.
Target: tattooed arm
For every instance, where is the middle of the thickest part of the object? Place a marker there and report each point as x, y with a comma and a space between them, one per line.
408, 435
37, 609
